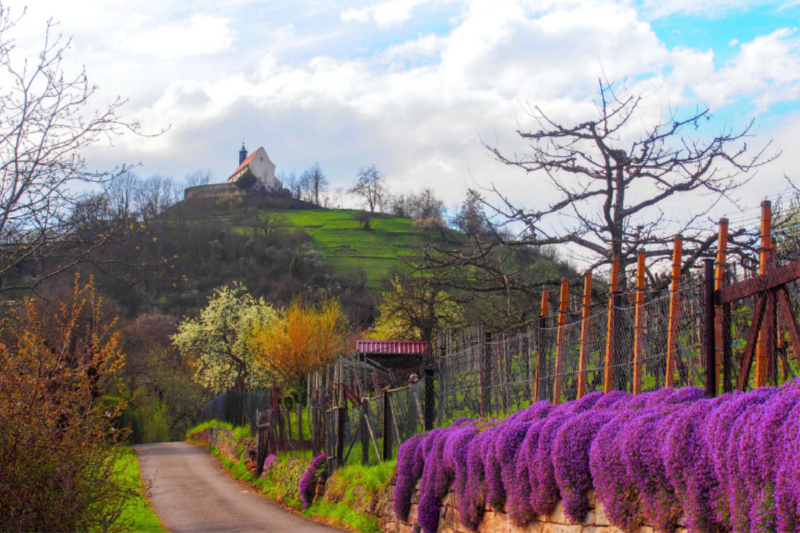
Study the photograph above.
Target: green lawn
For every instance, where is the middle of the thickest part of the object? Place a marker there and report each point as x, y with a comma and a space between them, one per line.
339, 237
137, 511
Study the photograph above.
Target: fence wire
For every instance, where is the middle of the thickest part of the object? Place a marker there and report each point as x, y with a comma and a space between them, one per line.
356, 404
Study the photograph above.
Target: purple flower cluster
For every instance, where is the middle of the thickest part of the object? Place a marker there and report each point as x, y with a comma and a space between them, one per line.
724, 464
317, 472
270, 460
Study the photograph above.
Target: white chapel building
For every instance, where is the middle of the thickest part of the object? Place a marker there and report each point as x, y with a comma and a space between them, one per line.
259, 165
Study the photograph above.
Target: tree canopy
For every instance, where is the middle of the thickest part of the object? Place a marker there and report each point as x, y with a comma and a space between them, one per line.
303, 338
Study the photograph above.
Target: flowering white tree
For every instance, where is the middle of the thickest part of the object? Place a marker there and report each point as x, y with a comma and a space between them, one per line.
217, 339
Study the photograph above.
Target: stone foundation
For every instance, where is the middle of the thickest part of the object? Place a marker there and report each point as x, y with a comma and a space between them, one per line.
497, 521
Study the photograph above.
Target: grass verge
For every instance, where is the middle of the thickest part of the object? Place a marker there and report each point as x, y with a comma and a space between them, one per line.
137, 511
351, 488
240, 432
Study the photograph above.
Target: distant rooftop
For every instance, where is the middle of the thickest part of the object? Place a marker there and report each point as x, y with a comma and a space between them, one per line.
392, 347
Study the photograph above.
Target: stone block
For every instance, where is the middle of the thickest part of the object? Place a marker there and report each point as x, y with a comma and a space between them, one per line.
590, 519
646, 529
590, 495
448, 499
448, 519
563, 528
412, 514
557, 516
600, 515
535, 527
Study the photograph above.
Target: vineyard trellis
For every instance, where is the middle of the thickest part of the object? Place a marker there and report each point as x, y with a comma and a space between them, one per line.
707, 330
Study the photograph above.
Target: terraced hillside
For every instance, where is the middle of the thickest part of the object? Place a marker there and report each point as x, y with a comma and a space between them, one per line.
338, 235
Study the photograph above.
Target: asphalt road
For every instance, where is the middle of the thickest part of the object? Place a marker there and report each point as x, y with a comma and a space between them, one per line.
191, 492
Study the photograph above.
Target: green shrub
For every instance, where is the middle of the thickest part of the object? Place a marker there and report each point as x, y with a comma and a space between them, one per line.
240, 432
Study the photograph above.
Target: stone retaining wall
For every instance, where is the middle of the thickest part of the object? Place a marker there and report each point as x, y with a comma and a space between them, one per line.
223, 440
497, 521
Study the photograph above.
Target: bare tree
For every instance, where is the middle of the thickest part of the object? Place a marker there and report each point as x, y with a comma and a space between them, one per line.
611, 195
470, 217
198, 178
45, 124
370, 187
155, 195
120, 194
425, 205
315, 183
292, 183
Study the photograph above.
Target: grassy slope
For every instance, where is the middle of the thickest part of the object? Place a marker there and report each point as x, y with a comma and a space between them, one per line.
339, 237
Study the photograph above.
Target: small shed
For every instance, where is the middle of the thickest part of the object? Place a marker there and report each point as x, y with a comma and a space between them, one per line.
403, 356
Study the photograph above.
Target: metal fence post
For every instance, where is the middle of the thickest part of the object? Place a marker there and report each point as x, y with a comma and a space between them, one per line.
611, 348
709, 315
341, 414
562, 322
486, 376
387, 427
584, 353
638, 332
364, 435
430, 399
540, 344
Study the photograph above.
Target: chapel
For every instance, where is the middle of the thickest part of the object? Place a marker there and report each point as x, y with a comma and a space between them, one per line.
259, 166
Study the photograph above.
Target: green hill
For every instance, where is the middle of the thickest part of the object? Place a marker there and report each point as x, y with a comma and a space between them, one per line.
339, 237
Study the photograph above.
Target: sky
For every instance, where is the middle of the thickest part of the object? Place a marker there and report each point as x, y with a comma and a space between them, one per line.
416, 87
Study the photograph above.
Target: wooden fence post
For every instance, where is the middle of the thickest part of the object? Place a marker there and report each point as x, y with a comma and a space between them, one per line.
562, 322
764, 338
674, 312
540, 342
584, 354
612, 326
638, 332
719, 322
709, 316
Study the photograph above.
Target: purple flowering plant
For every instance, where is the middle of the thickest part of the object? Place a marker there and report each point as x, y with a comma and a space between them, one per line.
727, 464
269, 461
316, 473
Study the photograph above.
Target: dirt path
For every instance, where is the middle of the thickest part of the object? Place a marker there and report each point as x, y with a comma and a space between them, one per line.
191, 492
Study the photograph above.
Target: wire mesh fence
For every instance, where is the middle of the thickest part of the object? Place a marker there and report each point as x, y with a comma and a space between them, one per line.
359, 412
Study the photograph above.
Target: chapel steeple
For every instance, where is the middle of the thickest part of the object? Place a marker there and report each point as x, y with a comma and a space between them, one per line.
242, 154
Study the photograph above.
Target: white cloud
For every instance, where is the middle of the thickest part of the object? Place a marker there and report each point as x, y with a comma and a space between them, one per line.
385, 14
766, 70
200, 35
417, 105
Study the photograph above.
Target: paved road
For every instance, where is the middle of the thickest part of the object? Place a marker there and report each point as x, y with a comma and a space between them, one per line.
191, 492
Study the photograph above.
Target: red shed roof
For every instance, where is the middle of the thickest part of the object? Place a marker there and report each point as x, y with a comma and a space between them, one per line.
392, 347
